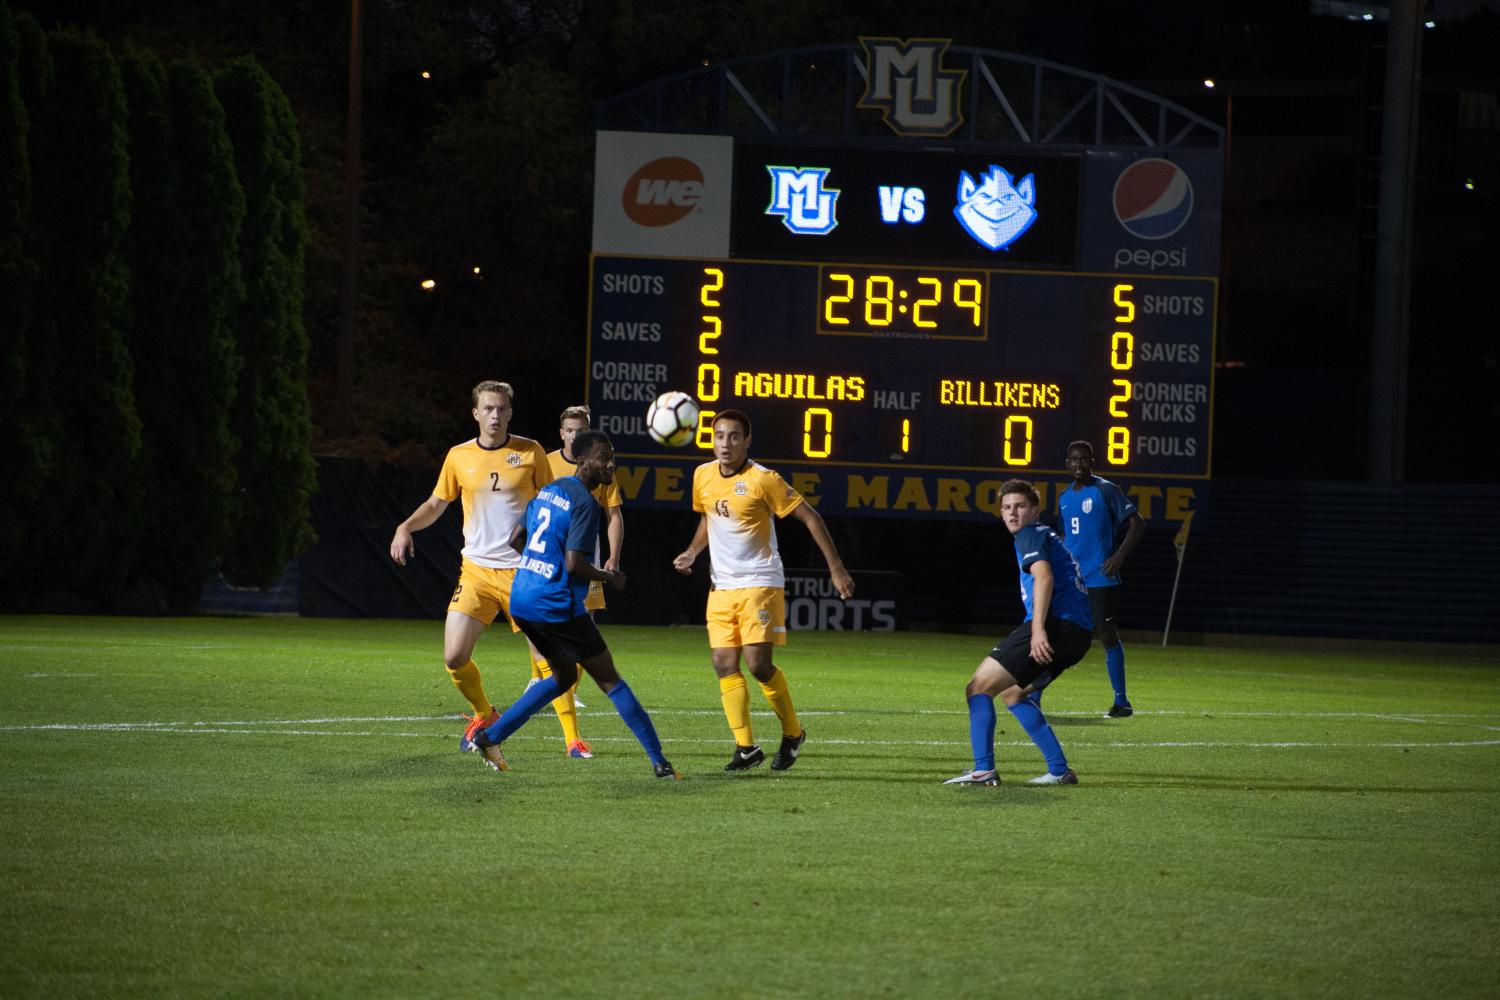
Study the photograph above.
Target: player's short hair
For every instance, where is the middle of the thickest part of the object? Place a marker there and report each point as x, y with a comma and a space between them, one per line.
490, 385
1022, 487
1081, 444
738, 415
586, 442
574, 413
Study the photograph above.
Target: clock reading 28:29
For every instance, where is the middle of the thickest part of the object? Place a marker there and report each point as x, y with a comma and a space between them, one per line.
911, 302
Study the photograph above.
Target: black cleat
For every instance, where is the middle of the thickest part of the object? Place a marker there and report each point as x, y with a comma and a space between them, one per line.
1119, 711
666, 770
786, 755
745, 758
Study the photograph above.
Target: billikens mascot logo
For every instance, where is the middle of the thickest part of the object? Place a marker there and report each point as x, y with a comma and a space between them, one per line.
993, 210
907, 82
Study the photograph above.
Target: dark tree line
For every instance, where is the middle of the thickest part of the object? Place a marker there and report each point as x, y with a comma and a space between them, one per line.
156, 426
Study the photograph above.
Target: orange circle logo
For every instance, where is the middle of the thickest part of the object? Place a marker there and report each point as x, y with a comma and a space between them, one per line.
663, 191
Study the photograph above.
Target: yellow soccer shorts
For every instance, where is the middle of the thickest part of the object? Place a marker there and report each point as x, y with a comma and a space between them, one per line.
483, 592
594, 599
745, 616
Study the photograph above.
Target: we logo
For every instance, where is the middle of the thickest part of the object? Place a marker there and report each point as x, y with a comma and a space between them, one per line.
907, 82
663, 191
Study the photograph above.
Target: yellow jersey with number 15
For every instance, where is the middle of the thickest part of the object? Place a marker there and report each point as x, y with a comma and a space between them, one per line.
741, 531
495, 485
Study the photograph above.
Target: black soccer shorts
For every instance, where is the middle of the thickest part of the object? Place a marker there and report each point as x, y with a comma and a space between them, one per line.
1070, 643
1104, 602
565, 642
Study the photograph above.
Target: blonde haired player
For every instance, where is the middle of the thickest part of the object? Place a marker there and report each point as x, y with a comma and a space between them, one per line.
747, 605
495, 475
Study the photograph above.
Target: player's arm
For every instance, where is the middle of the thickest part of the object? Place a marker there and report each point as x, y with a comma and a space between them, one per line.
402, 545
1134, 529
842, 581
1041, 603
578, 565
517, 539
685, 559
614, 530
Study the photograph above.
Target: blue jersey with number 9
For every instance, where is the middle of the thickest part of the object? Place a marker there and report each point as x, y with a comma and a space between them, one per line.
562, 518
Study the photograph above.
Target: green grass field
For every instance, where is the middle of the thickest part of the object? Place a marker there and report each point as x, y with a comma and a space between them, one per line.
254, 807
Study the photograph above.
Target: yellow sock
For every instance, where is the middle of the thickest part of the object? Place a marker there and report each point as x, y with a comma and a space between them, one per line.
466, 679
781, 703
735, 694
564, 705
537, 666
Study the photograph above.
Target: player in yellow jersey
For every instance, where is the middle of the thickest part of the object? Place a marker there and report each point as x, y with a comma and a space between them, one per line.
495, 475
747, 605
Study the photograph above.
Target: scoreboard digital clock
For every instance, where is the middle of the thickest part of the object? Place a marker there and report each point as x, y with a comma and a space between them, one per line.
908, 323
890, 366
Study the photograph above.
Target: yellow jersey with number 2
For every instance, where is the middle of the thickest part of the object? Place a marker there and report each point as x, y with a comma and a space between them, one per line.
495, 484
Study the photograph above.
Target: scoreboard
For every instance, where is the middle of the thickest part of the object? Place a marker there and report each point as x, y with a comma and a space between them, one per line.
907, 312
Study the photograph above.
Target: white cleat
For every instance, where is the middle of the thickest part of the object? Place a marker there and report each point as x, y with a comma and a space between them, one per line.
989, 778
1066, 778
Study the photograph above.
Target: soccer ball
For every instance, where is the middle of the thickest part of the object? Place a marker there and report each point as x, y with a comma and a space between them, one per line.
672, 419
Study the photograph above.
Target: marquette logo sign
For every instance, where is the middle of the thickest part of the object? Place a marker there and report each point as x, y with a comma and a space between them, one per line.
907, 82
663, 191
799, 196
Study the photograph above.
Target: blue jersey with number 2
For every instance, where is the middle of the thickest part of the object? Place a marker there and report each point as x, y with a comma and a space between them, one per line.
563, 517
1091, 517
1070, 599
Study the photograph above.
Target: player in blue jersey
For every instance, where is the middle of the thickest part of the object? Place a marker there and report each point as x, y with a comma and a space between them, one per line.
1091, 513
1055, 635
548, 603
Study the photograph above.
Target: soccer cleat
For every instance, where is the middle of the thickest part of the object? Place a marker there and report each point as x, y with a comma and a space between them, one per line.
490, 752
745, 758
580, 750
666, 770
466, 741
989, 778
786, 755
1119, 711
1066, 778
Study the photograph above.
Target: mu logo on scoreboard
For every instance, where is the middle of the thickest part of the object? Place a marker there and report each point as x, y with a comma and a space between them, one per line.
907, 82
798, 195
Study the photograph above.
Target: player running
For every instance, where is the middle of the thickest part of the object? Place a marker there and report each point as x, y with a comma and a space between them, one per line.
496, 474
747, 605
547, 603
1091, 512
1055, 635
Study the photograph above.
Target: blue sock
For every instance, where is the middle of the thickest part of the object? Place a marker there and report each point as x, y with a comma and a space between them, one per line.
1114, 662
537, 697
1035, 698
636, 718
982, 731
1035, 723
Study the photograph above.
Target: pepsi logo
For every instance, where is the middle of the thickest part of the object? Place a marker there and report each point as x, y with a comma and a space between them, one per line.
1153, 198
663, 191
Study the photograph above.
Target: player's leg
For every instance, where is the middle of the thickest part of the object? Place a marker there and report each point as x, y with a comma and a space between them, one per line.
1070, 643
564, 704
773, 685
564, 673
1105, 604
723, 616
601, 667
989, 679
472, 608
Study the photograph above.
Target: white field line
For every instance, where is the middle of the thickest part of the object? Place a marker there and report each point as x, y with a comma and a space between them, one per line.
287, 727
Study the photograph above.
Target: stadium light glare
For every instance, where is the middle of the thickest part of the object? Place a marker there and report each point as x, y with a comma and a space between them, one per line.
1429, 24
1468, 183
428, 285
1367, 16
426, 75
1209, 84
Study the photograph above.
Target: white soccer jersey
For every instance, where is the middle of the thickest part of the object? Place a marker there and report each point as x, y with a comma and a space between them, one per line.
496, 484
741, 511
